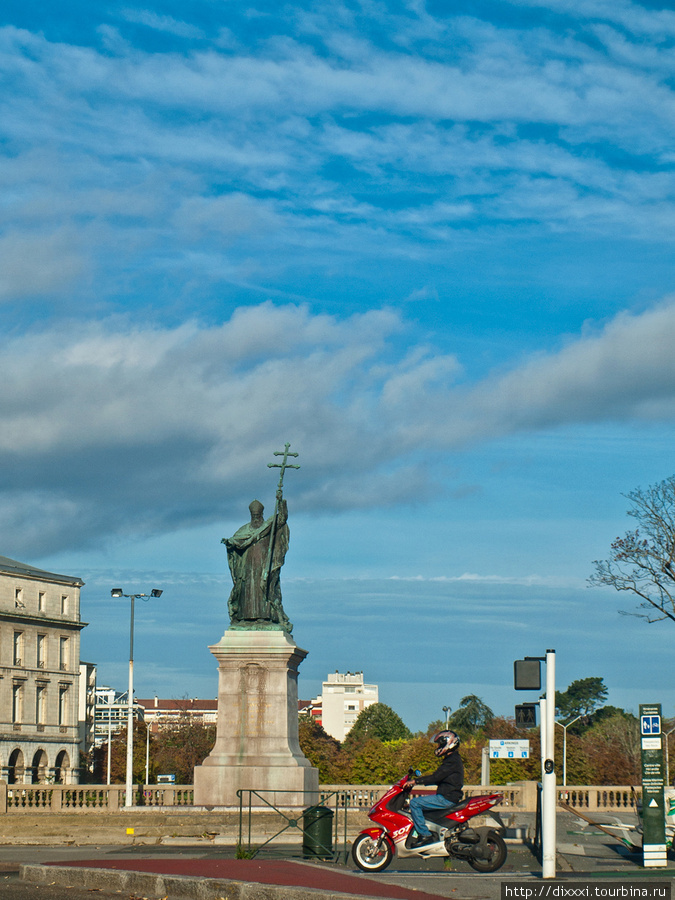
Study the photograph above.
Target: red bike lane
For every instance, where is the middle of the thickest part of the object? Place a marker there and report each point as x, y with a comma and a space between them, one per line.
283, 873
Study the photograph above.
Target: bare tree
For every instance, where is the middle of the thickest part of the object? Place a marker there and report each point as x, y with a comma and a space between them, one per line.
643, 561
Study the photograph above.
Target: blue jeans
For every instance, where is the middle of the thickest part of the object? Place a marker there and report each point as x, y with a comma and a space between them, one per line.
419, 804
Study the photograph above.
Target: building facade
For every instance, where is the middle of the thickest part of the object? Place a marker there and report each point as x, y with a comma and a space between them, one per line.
111, 713
87, 707
343, 697
39, 674
159, 713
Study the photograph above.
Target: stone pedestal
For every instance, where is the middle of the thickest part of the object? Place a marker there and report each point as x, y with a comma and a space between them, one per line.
257, 745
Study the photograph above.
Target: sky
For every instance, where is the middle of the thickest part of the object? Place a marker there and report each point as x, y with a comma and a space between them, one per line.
428, 244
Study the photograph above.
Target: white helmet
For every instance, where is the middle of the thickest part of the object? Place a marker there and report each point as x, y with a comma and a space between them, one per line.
446, 742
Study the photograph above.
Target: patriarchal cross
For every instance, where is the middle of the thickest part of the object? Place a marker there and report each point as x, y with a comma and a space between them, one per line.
283, 465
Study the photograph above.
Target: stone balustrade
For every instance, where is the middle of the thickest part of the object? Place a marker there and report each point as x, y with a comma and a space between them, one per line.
519, 796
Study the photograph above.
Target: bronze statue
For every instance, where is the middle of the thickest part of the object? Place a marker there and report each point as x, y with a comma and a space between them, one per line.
255, 554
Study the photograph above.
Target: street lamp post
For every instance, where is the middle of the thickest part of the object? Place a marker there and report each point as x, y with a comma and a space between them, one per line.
564, 728
118, 592
447, 710
147, 754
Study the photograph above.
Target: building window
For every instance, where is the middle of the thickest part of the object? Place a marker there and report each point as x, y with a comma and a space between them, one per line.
18, 599
18, 648
64, 604
41, 651
40, 704
63, 654
63, 705
41, 601
17, 703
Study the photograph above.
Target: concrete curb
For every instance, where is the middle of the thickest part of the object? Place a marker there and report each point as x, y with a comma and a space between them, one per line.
176, 887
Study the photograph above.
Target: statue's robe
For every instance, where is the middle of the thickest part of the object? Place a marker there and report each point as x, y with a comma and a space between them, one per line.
250, 605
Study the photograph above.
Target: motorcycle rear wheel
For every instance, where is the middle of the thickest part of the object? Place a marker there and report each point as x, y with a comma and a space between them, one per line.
368, 856
497, 856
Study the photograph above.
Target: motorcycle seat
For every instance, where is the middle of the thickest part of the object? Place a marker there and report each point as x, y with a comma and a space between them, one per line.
438, 815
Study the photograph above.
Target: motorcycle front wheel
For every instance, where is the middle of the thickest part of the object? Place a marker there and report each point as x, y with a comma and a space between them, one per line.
371, 855
497, 858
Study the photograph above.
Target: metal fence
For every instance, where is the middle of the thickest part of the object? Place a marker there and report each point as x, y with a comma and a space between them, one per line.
321, 827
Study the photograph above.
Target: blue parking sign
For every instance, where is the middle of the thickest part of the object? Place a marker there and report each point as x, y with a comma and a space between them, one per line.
650, 725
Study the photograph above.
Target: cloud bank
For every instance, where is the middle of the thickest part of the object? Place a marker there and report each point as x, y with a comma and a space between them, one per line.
112, 428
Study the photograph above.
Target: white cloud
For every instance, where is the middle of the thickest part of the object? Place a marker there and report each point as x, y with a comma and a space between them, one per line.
123, 428
167, 165
33, 263
161, 23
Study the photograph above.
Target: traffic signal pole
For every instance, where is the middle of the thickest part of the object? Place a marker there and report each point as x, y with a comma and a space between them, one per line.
549, 803
527, 677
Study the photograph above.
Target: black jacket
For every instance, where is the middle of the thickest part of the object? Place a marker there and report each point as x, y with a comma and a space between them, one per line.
449, 777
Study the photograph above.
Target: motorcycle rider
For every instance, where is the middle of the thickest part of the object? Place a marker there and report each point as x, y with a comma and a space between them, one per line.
449, 777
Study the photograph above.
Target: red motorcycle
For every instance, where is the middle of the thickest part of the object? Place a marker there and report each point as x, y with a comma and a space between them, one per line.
482, 847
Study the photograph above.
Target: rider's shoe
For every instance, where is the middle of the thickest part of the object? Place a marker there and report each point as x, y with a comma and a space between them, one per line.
423, 841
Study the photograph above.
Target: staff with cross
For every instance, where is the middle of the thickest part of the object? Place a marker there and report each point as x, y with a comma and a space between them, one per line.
283, 465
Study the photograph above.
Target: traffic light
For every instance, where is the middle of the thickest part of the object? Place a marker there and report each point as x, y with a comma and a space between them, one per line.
527, 675
526, 715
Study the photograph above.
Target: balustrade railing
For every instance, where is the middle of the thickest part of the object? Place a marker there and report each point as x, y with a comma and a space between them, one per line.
90, 797
520, 796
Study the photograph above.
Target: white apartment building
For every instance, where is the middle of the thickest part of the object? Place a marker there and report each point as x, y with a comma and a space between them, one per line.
111, 713
39, 674
342, 698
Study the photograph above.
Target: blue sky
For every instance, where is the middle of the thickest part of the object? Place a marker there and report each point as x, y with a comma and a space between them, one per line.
431, 247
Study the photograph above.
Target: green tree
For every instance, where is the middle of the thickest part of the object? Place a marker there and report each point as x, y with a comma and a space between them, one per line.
434, 727
581, 698
118, 756
502, 770
322, 750
376, 721
182, 746
383, 762
471, 715
611, 752
642, 562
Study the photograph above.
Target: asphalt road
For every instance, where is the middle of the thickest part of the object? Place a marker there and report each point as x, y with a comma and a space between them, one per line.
582, 853
12, 888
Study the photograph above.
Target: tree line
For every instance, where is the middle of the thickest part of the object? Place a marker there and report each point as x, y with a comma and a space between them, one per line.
603, 745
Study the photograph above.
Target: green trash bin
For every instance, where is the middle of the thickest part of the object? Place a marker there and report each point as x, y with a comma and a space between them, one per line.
317, 833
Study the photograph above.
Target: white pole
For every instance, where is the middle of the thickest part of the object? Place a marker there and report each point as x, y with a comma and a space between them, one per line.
129, 800
549, 786
485, 766
147, 753
109, 744
542, 734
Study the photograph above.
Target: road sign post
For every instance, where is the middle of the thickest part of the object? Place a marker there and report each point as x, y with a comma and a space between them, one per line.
653, 804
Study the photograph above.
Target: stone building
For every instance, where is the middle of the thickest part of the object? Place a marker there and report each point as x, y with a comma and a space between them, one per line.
39, 674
